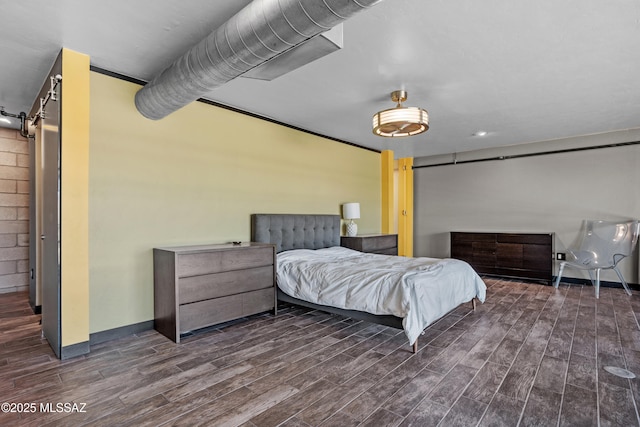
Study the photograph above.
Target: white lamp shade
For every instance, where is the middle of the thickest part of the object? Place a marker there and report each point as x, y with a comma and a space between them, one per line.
351, 210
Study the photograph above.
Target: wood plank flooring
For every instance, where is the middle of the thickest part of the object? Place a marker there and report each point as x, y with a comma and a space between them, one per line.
529, 356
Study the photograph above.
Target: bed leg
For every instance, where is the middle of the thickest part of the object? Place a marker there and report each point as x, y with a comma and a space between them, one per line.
473, 303
415, 346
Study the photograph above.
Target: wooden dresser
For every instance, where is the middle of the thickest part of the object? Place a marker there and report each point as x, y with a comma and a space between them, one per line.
386, 244
518, 255
199, 286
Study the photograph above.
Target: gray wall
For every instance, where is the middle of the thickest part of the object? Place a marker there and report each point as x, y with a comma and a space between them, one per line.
550, 193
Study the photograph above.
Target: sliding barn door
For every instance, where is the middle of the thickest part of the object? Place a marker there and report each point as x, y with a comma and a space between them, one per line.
34, 229
49, 127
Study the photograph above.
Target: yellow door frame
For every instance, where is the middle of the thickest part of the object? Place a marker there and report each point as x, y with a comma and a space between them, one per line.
404, 212
405, 206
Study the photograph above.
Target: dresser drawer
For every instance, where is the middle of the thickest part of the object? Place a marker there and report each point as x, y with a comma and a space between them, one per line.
217, 310
379, 243
538, 257
258, 301
472, 237
209, 312
387, 251
201, 263
375, 243
198, 288
531, 239
201, 285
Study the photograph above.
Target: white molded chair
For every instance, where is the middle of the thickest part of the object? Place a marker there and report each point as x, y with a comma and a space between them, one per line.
603, 246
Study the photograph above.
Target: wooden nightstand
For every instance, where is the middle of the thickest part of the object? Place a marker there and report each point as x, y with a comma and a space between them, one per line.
199, 286
386, 244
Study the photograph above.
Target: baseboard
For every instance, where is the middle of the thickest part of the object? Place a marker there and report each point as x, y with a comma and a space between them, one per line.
79, 349
74, 350
121, 332
570, 281
603, 283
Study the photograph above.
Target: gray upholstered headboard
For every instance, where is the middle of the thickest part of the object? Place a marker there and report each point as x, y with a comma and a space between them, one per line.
296, 231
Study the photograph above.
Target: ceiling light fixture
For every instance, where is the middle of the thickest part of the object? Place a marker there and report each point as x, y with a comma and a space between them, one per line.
400, 121
480, 133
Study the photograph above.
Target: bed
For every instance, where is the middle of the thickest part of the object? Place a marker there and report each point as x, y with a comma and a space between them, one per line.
405, 293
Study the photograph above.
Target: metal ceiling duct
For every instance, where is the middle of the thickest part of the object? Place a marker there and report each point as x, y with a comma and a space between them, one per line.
259, 32
304, 53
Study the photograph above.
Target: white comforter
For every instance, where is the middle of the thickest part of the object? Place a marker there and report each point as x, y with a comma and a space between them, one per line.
419, 290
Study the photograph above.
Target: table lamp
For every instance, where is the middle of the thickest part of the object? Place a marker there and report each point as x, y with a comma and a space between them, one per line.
351, 211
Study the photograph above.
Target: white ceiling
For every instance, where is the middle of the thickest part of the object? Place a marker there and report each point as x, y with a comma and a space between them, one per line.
523, 71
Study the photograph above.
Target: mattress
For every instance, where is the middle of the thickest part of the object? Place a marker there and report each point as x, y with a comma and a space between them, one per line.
418, 290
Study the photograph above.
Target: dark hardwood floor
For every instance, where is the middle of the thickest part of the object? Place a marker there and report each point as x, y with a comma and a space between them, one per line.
531, 355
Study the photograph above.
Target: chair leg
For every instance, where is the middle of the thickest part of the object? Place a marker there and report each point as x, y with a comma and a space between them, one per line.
557, 283
415, 346
597, 283
624, 283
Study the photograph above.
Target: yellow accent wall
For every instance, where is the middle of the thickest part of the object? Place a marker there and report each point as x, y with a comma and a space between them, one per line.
74, 194
195, 177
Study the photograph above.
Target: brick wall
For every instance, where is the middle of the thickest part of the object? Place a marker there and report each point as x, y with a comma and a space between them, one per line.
14, 211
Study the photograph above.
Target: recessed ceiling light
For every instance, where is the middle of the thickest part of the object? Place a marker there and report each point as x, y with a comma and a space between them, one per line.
5, 120
480, 133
